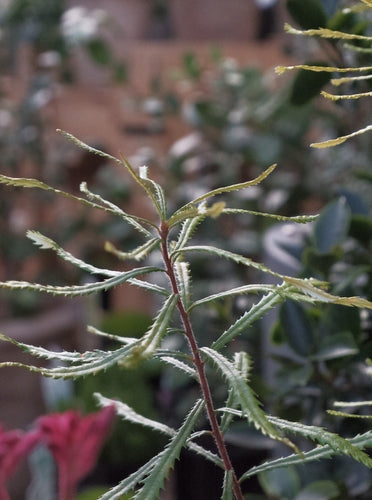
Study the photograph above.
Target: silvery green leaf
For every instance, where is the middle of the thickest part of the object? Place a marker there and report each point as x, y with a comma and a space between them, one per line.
244, 394
149, 343
79, 290
80, 364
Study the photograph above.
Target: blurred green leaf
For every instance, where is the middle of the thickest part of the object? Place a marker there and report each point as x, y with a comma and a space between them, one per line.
297, 328
319, 490
97, 492
191, 66
336, 346
332, 226
308, 84
308, 14
361, 228
280, 483
99, 51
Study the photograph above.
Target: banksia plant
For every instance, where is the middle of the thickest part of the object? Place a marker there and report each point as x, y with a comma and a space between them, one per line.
170, 235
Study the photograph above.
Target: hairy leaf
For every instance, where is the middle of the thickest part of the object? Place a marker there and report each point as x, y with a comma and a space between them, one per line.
152, 339
188, 228
138, 253
182, 271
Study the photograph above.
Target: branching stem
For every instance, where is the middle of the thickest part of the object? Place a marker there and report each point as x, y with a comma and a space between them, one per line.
199, 365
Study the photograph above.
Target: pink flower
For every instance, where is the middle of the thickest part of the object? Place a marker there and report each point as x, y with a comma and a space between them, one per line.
75, 442
14, 446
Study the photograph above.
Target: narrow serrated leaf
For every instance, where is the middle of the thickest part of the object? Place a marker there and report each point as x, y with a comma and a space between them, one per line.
137, 222
152, 339
330, 69
326, 33
244, 394
130, 415
338, 97
79, 290
129, 484
226, 189
183, 277
228, 492
137, 254
240, 290
81, 364
318, 453
172, 359
256, 312
242, 364
300, 219
46, 243
154, 482
187, 230
339, 140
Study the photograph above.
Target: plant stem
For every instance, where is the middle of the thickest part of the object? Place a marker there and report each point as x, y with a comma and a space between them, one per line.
199, 365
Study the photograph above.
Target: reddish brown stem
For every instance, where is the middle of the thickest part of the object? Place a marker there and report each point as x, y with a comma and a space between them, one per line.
199, 365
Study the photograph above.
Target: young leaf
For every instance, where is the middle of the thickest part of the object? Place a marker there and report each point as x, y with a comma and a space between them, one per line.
154, 482
192, 212
138, 253
225, 189
187, 230
244, 394
152, 339
242, 364
183, 280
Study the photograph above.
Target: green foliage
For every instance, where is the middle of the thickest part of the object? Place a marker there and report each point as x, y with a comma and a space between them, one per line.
310, 310
178, 297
